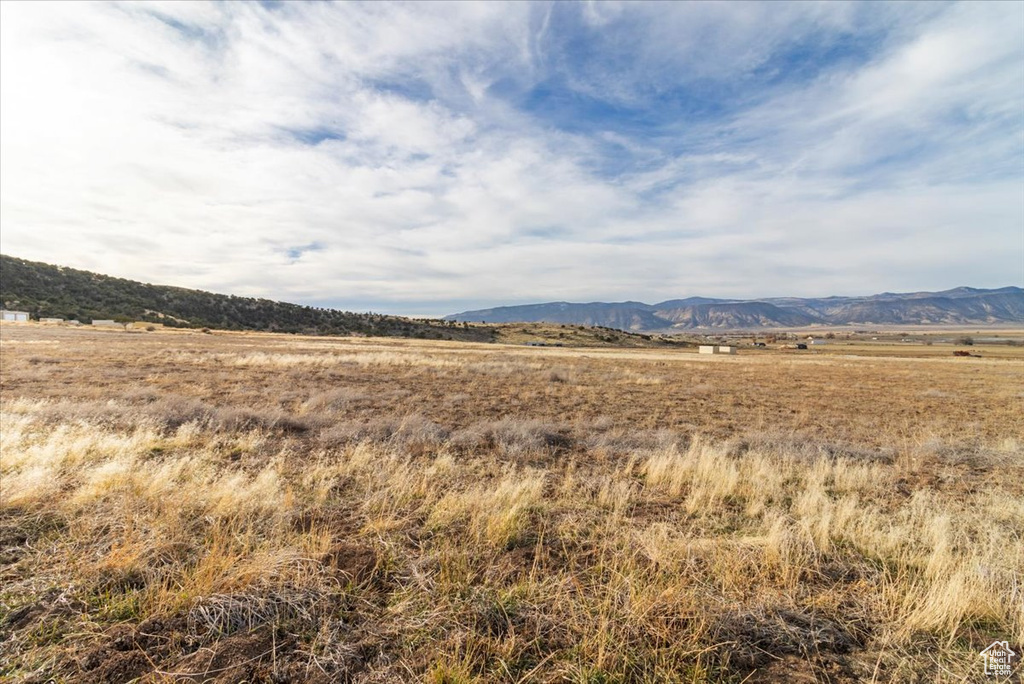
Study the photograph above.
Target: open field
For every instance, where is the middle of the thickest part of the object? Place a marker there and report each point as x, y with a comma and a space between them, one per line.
179, 506
907, 341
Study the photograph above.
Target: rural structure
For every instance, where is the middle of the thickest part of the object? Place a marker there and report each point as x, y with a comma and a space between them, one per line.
713, 349
16, 316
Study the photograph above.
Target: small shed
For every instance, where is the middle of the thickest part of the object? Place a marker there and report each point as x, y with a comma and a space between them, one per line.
16, 316
102, 323
707, 349
722, 349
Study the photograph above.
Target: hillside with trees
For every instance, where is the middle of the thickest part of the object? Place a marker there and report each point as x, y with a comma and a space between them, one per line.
45, 290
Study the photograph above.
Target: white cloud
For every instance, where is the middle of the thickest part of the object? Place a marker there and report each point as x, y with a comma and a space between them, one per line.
197, 144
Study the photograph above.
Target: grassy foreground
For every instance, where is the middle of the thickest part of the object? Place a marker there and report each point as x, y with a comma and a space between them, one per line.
255, 508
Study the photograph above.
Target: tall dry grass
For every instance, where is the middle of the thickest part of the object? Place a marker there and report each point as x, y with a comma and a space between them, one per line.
676, 564
153, 535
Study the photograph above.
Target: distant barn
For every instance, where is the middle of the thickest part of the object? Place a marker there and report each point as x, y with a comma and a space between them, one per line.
708, 349
726, 350
16, 316
101, 323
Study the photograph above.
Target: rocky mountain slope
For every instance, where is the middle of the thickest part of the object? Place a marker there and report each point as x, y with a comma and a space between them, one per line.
959, 306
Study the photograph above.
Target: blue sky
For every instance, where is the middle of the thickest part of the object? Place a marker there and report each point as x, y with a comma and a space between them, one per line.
425, 158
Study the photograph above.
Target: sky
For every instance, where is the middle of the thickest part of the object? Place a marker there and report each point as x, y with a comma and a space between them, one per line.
428, 158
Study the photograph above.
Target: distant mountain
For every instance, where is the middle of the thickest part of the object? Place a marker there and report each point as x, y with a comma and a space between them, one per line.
735, 315
628, 316
959, 306
986, 308
44, 290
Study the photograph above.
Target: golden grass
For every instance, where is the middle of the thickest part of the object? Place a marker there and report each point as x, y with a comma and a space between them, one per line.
214, 508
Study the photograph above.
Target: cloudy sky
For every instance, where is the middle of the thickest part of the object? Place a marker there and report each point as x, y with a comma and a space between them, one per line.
428, 158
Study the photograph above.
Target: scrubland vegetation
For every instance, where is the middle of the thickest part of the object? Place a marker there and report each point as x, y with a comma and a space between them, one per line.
45, 290
188, 507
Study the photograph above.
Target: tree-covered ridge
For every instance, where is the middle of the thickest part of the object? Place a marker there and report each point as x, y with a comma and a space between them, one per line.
45, 290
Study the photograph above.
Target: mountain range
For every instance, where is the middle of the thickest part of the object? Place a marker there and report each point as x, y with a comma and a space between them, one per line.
959, 306
47, 290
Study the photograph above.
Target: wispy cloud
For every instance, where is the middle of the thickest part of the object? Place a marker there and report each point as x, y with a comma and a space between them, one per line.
418, 157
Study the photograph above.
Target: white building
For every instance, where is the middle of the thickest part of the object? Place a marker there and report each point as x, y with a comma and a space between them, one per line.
707, 349
726, 350
17, 316
106, 323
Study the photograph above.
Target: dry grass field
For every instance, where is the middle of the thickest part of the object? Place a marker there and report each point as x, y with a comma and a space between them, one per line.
179, 506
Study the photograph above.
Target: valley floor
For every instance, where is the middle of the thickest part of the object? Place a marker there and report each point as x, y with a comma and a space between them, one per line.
179, 506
